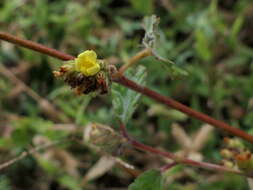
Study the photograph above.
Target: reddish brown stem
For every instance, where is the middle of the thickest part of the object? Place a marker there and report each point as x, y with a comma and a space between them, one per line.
168, 166
175, 158
178, 106
35, 46
140, 55
132, 85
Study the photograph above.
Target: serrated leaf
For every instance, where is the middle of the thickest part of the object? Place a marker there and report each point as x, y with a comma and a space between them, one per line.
149, 180
125, 101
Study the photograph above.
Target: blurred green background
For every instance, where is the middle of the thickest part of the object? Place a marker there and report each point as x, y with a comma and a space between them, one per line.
211, 39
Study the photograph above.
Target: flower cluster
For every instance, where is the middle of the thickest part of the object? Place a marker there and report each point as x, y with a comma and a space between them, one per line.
85, 74
235, 155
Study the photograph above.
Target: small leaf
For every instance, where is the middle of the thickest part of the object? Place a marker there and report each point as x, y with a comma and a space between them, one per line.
150, 25
236, 27
149, 180
125, 101
203, 45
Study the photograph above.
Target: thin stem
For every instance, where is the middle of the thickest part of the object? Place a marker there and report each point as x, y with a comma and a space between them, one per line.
168, 166
132, 85
144, 53
48, 108
175, 158
26, 153
185, 109
35, 46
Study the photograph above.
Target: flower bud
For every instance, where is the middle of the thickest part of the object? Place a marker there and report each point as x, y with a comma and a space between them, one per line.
104, 137
86, 74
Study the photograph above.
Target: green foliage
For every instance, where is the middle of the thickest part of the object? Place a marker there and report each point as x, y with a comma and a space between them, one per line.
211, 40
229, 182
124, 100
139, 6
236, 27
149, 180
151, 40
70, 182
26, 128
150, 25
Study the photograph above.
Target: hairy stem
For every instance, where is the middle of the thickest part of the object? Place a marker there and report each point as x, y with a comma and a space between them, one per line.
26, 153
35, 46
176, 159
185, 109
168, 166
134, 86
144, 53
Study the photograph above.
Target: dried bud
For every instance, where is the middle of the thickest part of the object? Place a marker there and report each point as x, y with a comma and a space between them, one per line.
234, 143
244, 162
226, 153
105, 138
228, 164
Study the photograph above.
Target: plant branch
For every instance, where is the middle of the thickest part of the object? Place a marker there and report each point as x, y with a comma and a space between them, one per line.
132, 85
26, 153
168, 166
176, 159
185, 109
49, 109
35, 46
140, 55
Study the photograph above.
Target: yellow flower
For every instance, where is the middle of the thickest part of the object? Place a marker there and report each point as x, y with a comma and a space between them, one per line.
87, 63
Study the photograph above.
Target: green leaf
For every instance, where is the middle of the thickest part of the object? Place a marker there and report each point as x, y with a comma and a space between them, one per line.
203, 45
236, 27
149, 180
125, 101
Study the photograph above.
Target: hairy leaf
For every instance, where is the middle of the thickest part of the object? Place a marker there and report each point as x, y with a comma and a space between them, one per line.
125, 101
151, 40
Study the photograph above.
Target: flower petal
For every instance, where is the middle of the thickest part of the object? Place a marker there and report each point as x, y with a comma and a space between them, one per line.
88, 55
93, 70
86, 63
